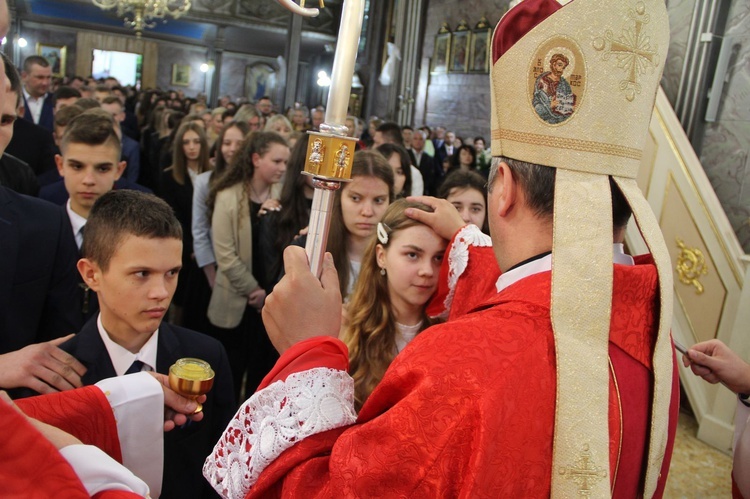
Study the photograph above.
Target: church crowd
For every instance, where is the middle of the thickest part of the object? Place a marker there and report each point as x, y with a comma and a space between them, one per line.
231, 175
138, 228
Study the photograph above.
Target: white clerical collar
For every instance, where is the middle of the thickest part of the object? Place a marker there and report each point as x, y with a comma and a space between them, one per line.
545, 264
76, 222
620, 256
122, 358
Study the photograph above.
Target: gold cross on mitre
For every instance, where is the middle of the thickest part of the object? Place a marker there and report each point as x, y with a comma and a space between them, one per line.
584, 472
633, 50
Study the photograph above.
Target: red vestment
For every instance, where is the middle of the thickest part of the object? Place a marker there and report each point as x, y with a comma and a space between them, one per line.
468, 408
31, 467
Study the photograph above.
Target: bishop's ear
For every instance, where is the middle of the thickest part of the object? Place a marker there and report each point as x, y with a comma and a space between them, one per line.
503, 192
90, 273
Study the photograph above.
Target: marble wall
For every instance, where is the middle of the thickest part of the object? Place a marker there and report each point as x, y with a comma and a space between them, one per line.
461, 102
725, 144
192, 55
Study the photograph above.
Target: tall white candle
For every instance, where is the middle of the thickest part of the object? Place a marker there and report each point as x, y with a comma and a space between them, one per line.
343, 64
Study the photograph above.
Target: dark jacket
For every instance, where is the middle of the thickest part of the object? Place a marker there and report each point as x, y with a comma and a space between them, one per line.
47, 118
35, 146
18, 176
37, 273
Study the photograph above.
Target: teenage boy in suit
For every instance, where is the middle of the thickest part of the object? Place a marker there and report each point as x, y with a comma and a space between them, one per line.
132, 254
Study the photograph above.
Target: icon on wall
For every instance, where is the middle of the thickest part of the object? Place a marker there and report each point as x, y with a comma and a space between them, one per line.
260, 80
55, 55
459, 53
442, 49
181, 74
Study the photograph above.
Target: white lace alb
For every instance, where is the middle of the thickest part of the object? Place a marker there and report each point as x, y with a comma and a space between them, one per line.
273, 420
458, 259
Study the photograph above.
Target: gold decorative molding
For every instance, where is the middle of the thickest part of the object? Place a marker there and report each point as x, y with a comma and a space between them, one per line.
691, 264
731, 261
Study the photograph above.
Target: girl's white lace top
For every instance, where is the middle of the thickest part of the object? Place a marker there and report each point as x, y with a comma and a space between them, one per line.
273, 420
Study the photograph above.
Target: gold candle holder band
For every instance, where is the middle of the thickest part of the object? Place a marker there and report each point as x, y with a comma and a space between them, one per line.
330, 156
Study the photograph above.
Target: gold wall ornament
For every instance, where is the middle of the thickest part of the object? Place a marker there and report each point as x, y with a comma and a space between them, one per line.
632, 50
584, 472
691, 264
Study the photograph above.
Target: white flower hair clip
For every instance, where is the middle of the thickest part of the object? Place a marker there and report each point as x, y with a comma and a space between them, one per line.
383, 233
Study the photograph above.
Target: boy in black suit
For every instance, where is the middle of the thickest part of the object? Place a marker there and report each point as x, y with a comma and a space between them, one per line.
132, 254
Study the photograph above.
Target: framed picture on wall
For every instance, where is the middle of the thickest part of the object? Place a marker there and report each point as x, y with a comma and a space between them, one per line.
181, 74
442, 49
260, 80
479, 57
459, 53
55, 55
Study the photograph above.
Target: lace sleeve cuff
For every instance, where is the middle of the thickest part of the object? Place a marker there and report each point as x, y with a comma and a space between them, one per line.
458, 258
273, 420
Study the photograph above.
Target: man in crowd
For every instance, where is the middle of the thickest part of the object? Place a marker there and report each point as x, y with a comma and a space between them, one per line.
38, 283
14, 173
318, 117
265, 107
425, 163
38, 102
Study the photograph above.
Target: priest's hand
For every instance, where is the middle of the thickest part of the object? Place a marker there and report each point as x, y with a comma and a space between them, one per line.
43, 367
56, 436
713, 361
445, 220
301, 306
177, 409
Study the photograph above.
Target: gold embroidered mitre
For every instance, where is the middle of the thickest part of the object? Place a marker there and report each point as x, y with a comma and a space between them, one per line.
573, 88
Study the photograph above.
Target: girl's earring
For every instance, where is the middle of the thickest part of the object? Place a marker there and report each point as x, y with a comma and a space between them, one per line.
382, 271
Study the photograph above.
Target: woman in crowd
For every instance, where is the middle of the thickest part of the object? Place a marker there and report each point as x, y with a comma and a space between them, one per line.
466, 191
228, 143
250, 115
464, 159
399, 160
189, 159
250, 184
279, 228
216, 125
399, 274
279, 124
357, 208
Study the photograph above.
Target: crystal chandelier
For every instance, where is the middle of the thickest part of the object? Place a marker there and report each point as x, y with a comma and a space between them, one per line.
141, 14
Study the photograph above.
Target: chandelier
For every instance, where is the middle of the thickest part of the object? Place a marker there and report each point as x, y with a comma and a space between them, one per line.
141, 14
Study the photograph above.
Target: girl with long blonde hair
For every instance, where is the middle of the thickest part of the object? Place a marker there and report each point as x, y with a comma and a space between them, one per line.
399, 274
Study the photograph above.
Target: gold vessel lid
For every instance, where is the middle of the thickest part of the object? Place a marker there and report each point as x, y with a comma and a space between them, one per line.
192, 369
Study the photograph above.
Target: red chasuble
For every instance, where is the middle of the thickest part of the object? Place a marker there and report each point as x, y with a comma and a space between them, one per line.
467, 409
31, 467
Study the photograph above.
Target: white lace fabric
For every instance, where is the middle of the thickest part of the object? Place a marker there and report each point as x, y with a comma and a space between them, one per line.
273, 420
458, 259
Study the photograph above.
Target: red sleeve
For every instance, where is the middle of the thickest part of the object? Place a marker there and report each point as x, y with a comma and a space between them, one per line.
321, 351
474, 286
28, 461
84, 413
